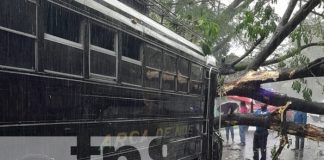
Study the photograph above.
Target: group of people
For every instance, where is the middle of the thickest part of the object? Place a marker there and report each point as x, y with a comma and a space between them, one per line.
261, 134
230, 107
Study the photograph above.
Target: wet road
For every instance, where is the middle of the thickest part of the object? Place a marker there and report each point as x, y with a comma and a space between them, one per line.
232, 151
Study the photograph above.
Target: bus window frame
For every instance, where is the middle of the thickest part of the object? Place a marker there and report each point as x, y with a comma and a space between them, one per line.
18, 32
145, 66
63, 41
195, 80
78, 45
28, 35
103, 51
130, 60
183, 76
169, 73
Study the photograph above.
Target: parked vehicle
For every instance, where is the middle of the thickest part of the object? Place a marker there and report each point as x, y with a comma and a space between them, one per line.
79, 73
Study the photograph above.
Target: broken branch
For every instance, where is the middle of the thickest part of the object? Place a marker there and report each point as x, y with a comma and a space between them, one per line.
272, 122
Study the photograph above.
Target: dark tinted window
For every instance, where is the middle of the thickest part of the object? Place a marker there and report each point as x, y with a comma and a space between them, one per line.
62, 58
103, 37
152, 56
63, 23
169, 63
195, 87
131, 47
168, 81
151, 78
131, 73
182, 84
16, 50
183, 66
102, 64
18, 15
196, 72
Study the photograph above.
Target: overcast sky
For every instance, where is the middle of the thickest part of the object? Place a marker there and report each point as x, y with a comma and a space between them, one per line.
280, 8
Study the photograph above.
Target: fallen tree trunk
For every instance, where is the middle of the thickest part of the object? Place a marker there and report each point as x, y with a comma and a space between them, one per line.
272, 122
249, 85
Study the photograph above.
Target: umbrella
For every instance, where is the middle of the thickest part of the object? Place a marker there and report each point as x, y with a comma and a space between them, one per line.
256, 104
229, 107
239, 98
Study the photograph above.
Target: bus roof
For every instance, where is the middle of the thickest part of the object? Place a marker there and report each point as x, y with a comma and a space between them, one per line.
145, 25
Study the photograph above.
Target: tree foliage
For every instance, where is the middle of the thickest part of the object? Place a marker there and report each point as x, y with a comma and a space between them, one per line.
255, 25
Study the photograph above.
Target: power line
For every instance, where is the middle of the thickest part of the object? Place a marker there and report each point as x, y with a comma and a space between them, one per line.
165, 13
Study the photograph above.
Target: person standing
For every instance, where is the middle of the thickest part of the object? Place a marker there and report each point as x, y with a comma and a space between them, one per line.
243, 128
260, 136
229, 108
229, 129
300, 118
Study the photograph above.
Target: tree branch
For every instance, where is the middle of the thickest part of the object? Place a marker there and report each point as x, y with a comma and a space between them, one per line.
221, 44
277, 99
292, 53
248, 51
249, 85
233, 5
318, 14
229, 13
271, 122
284, 57
288, 12
315, 68
282, 33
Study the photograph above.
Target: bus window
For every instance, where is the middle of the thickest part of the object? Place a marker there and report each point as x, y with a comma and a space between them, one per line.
153, 63
103, 37
131, 65
102, 64
182, 84
169, 63
183, 75
131, 73
183, 67
152, 57
151, 78
63, 59
131, 47
169, 72
16, 50
18, 15
17, 33
63, 23
63, 46
103, 51
196, 79
196, 72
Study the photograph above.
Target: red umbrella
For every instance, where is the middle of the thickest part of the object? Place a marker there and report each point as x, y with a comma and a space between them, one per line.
239, 98
256, 104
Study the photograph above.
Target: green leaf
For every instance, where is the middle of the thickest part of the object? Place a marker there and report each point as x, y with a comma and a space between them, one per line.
296, 86
307, 94
206, 49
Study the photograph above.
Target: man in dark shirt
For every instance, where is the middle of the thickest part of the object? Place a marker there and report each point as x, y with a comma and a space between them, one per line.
260, 136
